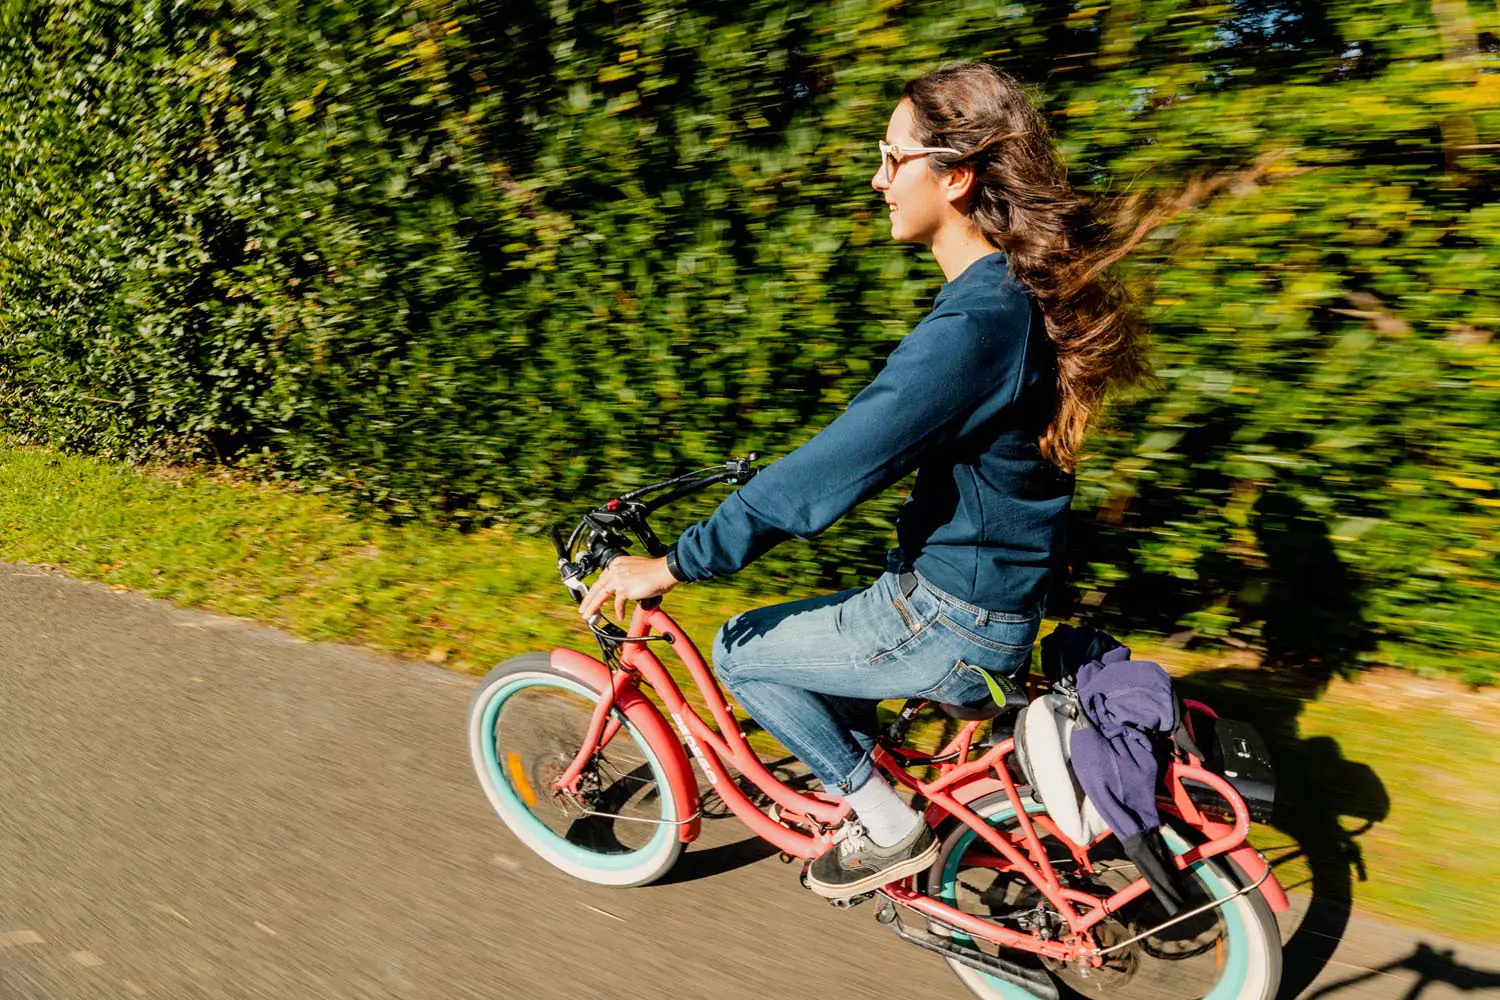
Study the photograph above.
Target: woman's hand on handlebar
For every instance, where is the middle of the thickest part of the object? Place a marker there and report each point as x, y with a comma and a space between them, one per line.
628, 578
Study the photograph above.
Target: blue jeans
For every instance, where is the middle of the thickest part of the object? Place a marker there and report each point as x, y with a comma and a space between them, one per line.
811, 672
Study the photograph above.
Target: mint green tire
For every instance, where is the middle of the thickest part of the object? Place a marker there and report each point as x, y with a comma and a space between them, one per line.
526, 724
1232, 952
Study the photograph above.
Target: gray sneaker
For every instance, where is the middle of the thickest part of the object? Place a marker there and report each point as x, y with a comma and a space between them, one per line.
857, 864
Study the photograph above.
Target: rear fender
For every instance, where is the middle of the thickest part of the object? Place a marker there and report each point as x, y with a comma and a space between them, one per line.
1247, 864
1250, 863
653, 727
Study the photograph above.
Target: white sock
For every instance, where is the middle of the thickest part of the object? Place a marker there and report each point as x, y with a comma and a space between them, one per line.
884, 815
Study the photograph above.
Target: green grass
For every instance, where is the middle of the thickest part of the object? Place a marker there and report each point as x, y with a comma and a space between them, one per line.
1417, 758
277, 555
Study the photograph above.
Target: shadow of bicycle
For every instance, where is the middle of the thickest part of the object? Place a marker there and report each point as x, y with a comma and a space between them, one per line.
1318, 792
706, 862
1431, 966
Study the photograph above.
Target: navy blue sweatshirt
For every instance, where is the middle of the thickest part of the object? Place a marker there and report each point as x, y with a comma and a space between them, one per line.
963, 399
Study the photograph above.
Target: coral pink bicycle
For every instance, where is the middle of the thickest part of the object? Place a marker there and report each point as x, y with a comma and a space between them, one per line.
588, 773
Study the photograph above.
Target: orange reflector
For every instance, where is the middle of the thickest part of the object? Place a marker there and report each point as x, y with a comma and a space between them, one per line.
518, 778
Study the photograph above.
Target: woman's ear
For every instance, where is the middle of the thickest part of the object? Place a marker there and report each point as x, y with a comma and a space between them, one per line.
958, 182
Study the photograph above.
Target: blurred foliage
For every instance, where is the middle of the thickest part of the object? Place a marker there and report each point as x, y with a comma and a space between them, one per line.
466, 260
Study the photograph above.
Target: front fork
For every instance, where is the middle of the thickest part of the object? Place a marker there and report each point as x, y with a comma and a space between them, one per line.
603, 725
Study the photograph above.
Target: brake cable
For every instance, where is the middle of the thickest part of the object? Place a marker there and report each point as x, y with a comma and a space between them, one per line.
611, 637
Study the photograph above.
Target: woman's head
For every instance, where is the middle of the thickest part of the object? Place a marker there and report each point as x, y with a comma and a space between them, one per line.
1001, 177
957, 120
921, 202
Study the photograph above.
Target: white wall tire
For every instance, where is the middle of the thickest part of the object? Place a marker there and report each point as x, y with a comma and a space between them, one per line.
532, 673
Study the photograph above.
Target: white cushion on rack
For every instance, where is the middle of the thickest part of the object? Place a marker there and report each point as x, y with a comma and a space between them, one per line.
1047, 731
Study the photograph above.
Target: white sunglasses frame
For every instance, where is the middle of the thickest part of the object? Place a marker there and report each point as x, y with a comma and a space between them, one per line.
891, 156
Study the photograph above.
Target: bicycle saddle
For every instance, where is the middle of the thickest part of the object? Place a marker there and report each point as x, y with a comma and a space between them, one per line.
986, 709
1015, 699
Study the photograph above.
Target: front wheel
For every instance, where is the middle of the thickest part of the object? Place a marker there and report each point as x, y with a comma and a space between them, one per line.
1229, 953
526, 724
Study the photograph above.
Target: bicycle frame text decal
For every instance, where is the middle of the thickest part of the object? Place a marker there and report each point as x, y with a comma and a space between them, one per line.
703, 764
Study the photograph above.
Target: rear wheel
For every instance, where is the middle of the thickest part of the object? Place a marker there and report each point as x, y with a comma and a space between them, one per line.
1232, 952
526, 724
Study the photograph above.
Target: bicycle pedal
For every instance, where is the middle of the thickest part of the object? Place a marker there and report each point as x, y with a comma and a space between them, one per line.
795, 822
849, 902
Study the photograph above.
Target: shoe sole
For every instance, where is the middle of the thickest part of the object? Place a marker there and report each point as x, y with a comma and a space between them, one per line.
895, 873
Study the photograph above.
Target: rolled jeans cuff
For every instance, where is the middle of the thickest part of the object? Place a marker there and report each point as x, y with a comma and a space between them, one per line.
863, 772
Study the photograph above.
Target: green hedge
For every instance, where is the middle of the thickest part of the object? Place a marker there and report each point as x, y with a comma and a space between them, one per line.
465, 260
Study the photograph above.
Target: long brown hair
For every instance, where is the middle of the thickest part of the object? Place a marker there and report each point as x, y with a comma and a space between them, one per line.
1056, 244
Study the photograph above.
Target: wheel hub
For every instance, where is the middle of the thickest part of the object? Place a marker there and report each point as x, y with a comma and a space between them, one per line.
1116, 970
545, 772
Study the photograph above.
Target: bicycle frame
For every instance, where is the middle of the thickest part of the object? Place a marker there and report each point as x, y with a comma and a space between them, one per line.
710, 745
949, 794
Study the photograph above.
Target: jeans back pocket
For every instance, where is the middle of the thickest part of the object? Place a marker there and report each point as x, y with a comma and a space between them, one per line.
1005, 638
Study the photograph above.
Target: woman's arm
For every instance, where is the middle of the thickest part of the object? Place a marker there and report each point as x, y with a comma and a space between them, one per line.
957, 368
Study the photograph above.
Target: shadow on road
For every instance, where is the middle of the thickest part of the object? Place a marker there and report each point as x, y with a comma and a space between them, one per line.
1318, 791
1430, 965
706, 862
1310, 609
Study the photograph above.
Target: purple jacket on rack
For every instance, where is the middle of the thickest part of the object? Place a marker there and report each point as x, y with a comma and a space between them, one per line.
1119, 758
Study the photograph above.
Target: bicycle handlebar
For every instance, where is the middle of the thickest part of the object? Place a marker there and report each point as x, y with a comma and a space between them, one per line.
606, 526
736, 472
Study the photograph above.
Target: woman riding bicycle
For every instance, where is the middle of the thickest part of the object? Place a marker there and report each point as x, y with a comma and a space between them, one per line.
988, 399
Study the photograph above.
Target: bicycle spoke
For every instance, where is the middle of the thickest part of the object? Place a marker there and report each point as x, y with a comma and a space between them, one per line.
539, 734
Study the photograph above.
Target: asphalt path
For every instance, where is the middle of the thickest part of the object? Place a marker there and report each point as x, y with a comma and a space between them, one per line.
193, 806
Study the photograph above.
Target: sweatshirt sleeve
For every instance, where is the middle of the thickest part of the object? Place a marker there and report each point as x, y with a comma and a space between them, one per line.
959, 362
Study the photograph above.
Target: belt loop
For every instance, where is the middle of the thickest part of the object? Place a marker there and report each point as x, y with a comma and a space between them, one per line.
984, 617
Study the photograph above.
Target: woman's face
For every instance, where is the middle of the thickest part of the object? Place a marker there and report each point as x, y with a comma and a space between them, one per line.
914, 194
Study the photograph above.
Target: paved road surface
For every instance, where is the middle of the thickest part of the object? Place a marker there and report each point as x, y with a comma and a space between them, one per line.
196, 807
